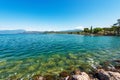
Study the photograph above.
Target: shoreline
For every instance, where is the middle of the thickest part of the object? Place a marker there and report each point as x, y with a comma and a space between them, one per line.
105, 70
95, 74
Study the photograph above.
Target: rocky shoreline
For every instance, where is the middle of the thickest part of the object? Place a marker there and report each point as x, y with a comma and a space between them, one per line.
110, 70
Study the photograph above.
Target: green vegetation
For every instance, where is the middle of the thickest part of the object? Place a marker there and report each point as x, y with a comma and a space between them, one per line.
112, 31
96, 30
86, 30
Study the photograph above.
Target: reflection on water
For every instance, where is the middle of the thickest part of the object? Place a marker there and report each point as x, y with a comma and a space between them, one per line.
23, 55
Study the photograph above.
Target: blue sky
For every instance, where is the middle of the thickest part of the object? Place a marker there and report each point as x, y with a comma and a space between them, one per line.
43, 15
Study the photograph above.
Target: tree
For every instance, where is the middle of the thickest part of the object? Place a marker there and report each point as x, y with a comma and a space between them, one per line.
91, 30
86, 30
116, 30
96, 30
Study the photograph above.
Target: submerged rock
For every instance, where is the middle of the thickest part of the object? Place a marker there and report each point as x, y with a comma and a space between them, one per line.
38, 77
65, 76
116, 60
72, 56
49, 77
78, 75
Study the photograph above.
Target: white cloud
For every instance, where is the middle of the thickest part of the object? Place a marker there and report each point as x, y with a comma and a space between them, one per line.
79, 27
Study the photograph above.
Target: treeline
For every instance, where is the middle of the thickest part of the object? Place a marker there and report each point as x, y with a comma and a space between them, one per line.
114, 30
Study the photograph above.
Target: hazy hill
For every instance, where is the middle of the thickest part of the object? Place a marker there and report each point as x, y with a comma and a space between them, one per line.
74, 30
12, 31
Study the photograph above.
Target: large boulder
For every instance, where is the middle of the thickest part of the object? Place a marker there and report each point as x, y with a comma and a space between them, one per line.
107, 75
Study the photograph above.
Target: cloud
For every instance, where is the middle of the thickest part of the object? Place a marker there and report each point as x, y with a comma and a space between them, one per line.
79, 27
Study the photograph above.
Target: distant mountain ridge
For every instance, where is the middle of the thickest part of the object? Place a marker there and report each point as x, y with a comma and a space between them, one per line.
21, 31
12, 31
74, 30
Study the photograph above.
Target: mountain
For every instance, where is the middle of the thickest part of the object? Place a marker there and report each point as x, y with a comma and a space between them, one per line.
12, 31
74, 30
21, 31
33, 32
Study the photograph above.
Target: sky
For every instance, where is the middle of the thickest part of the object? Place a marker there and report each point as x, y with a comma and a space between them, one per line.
57, 15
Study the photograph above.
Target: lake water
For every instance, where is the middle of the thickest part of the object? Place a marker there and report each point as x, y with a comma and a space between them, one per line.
24, 55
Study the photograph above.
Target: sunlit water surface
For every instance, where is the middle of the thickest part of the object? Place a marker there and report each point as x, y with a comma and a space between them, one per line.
24, 55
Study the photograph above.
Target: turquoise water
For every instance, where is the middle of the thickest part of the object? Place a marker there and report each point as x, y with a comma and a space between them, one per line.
24, 55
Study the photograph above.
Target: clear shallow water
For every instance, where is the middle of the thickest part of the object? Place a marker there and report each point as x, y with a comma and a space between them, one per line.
23, 55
